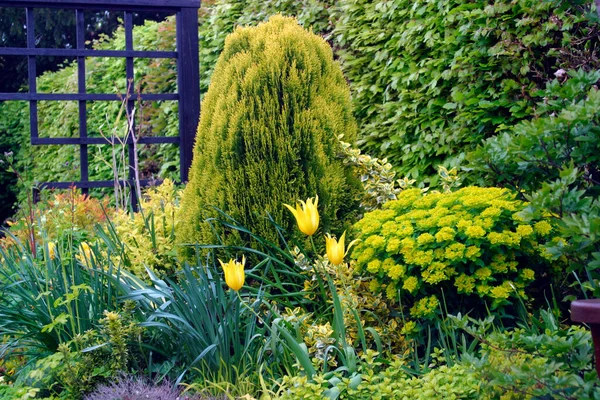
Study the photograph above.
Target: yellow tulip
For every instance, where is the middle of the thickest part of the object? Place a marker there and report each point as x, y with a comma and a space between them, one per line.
52, 250
307, 216
85, 252
335, 250
234, 273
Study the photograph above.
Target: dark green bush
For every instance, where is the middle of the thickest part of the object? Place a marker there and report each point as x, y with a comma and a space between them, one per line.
431, 79
268, 135
541, 359
555, 161
8, 180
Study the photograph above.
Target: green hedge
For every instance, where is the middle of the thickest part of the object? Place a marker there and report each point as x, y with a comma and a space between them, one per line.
431, 79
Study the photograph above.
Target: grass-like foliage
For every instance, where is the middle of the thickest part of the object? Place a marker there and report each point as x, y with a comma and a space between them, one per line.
200, 323
50, 300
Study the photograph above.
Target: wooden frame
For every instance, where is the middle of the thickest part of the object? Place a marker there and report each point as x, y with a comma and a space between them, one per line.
188, 79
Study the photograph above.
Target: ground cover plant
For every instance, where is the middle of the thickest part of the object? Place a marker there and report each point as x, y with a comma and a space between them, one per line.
324, 273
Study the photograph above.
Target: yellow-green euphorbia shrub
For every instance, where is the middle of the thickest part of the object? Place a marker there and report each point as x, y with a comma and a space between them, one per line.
453, 248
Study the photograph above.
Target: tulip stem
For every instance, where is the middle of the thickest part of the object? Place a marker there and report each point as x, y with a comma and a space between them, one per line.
252, 310
320, 271
312, 242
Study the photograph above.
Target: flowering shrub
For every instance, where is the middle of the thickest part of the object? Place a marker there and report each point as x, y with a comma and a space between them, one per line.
467, 244
64, 211
65, 214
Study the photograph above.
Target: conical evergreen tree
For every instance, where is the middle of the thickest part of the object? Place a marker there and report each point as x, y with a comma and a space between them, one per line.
268, 135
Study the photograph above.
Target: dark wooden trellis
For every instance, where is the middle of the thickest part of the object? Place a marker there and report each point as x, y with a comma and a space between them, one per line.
187, 96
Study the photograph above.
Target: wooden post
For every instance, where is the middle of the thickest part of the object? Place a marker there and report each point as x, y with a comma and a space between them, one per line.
588, 311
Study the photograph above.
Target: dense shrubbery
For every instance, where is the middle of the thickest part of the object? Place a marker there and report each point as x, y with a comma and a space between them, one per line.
444, 252
268, 135
73, 369
417, 101
539, 361
220, 19
85, 300
432, 79
554, 160
149, 235
63, 216
379, 381
193, 322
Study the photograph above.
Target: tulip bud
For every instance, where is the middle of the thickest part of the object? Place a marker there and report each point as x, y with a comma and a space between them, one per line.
52, 250
85, 253
234, 273
336, 251
306, 216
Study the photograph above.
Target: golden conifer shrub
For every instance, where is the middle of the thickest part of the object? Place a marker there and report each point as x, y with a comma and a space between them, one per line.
268, 135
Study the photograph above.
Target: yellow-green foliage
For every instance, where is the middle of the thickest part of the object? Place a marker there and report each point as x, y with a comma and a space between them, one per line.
74, 372
467, 244
149, 234
377, 176
355, 296
376, 382
268, 135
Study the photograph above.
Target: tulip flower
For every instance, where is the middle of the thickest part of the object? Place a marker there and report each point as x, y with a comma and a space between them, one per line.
234, 273
335, 250
307, 216
52, 250
85, 252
